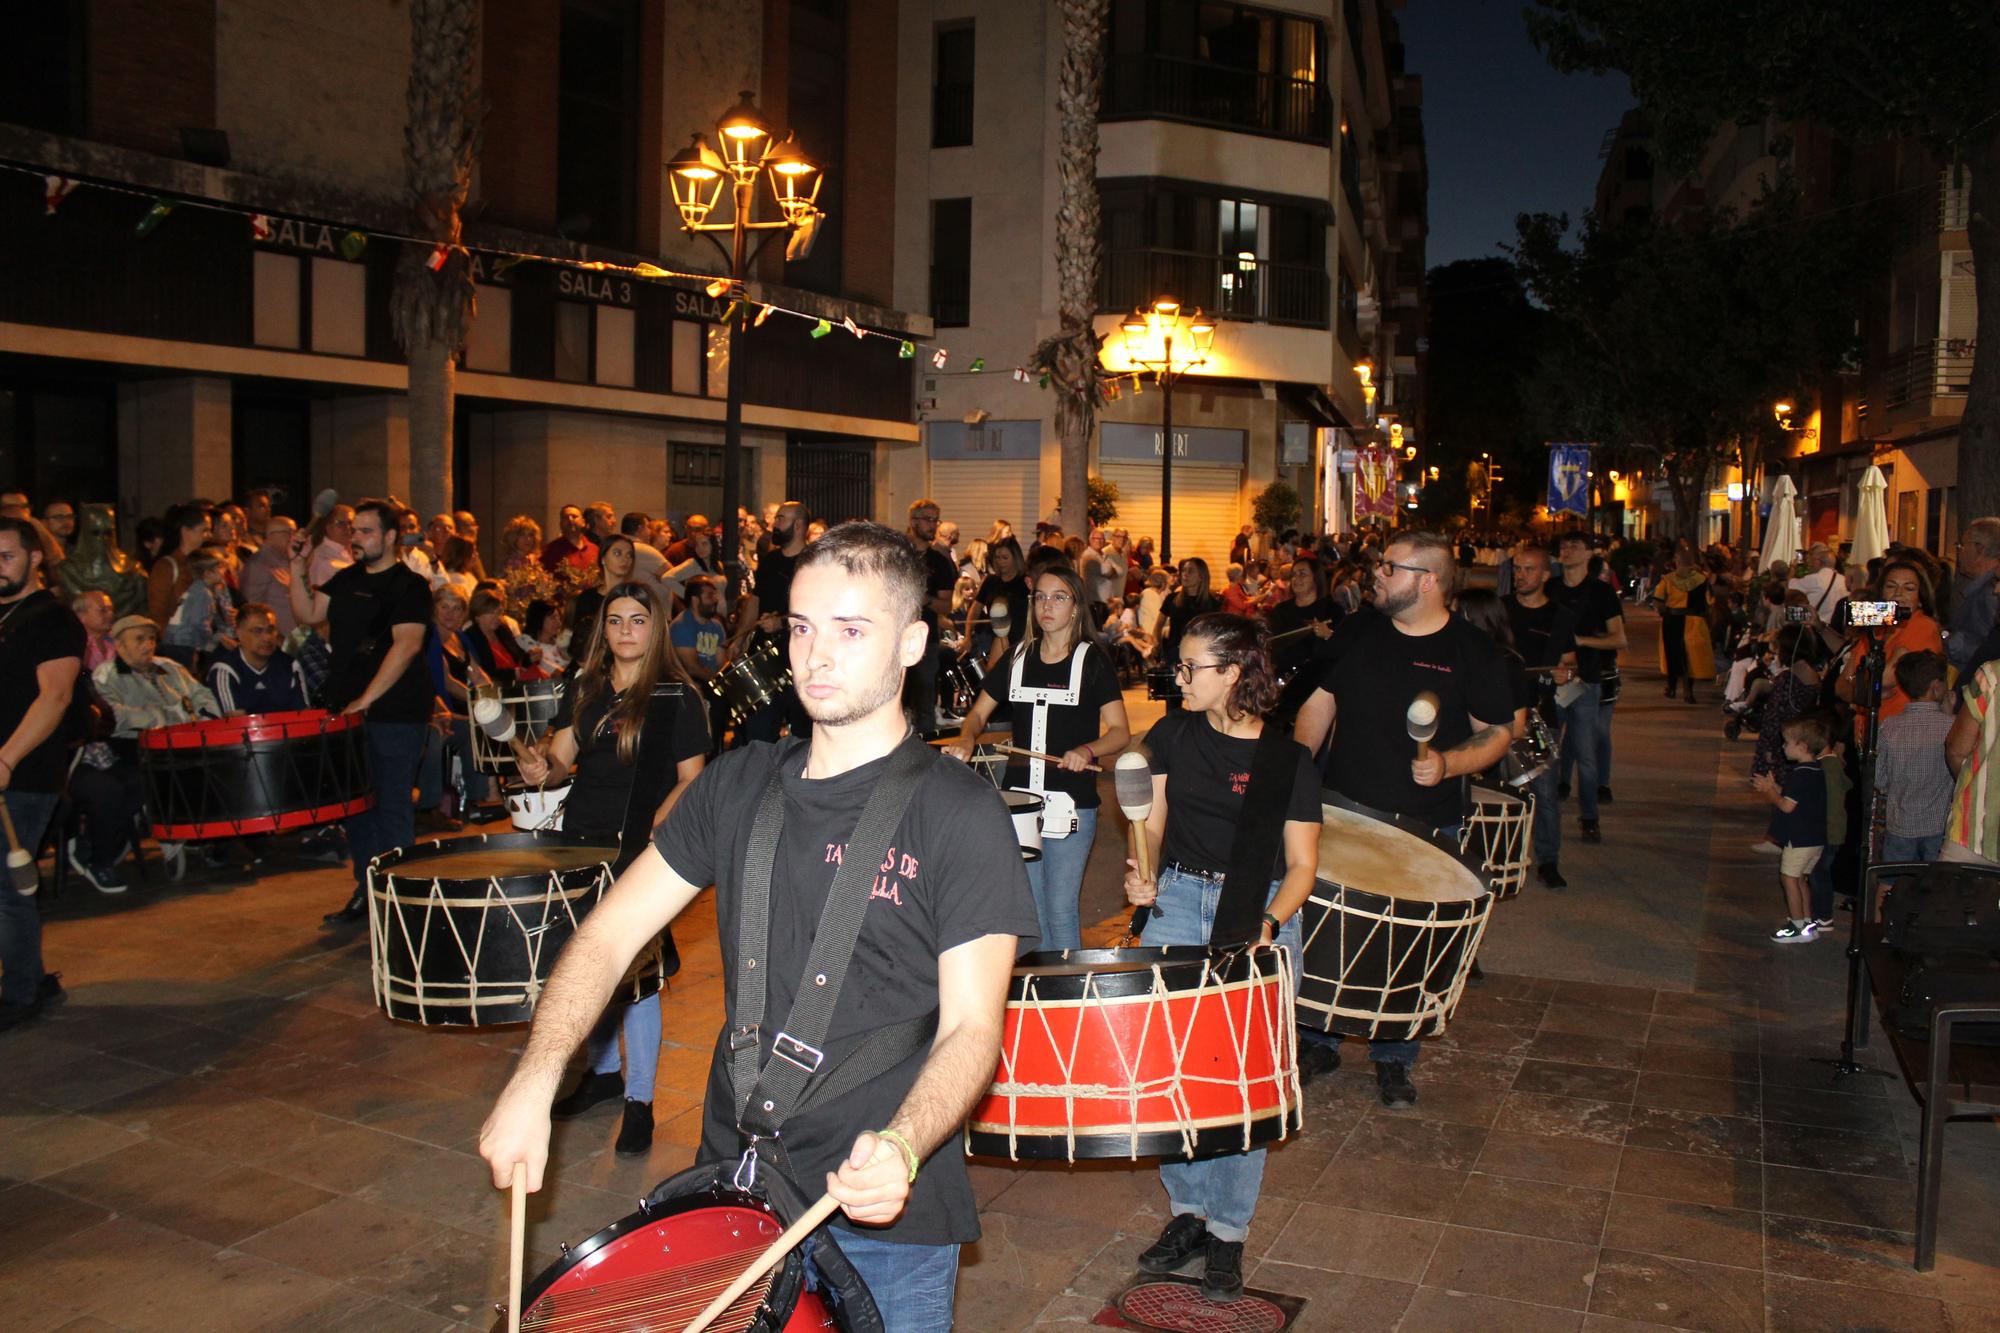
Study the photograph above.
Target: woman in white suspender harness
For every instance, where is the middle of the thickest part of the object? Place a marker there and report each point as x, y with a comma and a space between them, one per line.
1066, 702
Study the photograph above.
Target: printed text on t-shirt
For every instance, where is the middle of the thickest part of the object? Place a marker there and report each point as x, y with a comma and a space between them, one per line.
897, 872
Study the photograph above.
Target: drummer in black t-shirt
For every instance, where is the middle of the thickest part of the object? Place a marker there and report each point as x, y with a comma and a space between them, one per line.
940, 577
940, 929
766, 616
1006, 585
1298, 625
594, 742
1545, 635
1598, 628
376, 611
1376, 663
1202, 760
1067, 702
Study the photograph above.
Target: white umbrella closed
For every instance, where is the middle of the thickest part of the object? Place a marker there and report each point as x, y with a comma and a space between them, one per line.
1781, 530
1871, 518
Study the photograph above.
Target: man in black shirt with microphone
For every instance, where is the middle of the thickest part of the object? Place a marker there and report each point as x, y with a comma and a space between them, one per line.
1377, 662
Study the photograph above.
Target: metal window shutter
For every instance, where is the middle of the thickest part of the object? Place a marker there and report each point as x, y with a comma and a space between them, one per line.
1958, 313
974, 492
1208, 508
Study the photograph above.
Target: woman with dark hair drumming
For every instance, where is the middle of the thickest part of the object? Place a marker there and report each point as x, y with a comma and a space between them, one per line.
598, 742
1485, 612
1302, 623
1070, 705
1191, 601
1227, 794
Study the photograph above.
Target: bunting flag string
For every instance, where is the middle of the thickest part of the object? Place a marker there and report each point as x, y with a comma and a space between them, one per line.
352, 245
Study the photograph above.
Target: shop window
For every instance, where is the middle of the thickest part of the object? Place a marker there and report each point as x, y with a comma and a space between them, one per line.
339, 306
614, 350
276, 302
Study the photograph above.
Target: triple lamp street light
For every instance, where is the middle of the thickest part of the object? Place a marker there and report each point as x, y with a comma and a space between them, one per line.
751, 150
1151, 334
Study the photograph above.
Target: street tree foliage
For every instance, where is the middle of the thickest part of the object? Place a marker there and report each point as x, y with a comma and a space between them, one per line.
1668, 345
1276, 508
1484, 339
1865, 70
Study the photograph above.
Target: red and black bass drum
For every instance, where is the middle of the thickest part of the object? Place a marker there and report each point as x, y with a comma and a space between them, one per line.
660, 1267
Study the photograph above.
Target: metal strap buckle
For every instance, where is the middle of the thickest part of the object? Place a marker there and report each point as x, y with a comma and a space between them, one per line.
796, 1051
743, 1036
746, 1169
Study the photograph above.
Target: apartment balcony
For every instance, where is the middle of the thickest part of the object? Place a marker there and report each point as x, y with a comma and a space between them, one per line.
1928, 379
1934, 212
1254, 290
1145, 86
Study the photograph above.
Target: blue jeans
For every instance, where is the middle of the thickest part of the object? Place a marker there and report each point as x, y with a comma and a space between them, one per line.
641, 1024
20, 919
435, 771
1895, 847
913, 1285
1221, 1190
1582, 748
1547, 846
394, 751
1057, 882
1604, 712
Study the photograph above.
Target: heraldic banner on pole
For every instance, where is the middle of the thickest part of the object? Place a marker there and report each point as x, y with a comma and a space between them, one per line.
1569, 480
1374, 483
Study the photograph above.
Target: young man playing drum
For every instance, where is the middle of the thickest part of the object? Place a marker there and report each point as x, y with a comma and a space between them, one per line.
1377, 662
932, 896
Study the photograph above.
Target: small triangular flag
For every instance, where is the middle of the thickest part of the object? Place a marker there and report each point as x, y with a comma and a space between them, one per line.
1021, 374
938, 358
762, 315
55, 189
978, 364
853, 328
718, 287
1043, 382
506, 264
438, 255
1111, 391
154, 217
260, 226
906, 349
353, 245
821, 329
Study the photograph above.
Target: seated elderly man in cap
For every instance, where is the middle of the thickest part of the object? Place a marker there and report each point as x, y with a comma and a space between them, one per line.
144, 690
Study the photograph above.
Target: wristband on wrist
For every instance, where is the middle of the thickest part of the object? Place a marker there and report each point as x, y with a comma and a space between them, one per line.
1276, 925
902, 1146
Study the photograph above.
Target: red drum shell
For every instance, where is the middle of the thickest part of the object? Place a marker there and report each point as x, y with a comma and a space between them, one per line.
658, 1268
262, 773
1164, 1052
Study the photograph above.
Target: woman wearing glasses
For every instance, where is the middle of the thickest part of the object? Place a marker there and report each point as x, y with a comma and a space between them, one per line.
1066, 702
1205, 760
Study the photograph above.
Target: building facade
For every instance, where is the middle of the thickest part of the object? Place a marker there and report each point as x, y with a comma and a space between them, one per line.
206, 308
1261, 161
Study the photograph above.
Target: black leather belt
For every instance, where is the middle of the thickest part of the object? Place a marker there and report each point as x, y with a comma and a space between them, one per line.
1185, 869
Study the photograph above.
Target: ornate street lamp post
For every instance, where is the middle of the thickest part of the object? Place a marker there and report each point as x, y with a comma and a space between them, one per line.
750, 152
1169, 341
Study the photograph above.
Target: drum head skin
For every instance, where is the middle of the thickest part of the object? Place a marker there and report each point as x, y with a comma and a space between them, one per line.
497, 856
1387, 855
1505, 800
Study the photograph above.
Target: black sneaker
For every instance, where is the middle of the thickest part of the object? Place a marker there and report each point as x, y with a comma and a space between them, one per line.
1315, 1059
635, 1135
1393, 1082
594, 1090
1222, 1279
1591, 833
105, 879
1604, 796
1550, 876
1184, 1238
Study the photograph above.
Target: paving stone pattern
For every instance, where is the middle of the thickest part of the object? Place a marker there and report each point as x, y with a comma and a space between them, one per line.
219, 1132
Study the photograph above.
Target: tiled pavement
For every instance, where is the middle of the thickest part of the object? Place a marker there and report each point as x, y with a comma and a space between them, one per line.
218, 1132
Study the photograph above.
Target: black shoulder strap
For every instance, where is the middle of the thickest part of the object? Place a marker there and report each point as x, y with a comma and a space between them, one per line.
1239, 915
769, 1091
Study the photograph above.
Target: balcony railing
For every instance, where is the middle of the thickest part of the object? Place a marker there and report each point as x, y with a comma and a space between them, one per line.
1229, 288
1145, 85
1937, 369
1937, 208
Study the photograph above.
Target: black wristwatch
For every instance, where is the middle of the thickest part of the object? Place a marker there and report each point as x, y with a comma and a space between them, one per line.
1276, 925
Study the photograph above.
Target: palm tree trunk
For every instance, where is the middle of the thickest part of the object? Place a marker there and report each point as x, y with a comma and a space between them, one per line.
1070, 356
433, 303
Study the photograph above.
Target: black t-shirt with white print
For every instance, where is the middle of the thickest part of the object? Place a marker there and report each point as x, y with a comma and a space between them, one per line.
954, 874
1208, 775
1068, 727
1373, 672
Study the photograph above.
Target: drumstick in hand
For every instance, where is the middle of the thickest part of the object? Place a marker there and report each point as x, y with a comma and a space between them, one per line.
1045, 758
773, 1253
1422, 721
1133, 778
517, 1243
20, 861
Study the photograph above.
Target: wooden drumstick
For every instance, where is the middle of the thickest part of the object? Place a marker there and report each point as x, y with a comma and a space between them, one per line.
1422, 721
517, 1243
1132, 776
20, 861
773, 1253
1045, 758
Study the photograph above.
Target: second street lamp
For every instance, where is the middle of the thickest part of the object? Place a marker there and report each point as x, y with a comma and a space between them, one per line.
698, 174
1169, 341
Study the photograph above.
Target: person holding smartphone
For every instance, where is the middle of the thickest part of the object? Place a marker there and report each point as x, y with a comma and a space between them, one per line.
1914, 628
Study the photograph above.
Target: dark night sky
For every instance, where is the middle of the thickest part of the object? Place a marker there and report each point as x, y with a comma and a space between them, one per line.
1506, 133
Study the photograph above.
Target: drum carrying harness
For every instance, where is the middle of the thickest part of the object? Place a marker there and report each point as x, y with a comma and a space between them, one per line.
1058, 807
1260, 837
771, 1091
